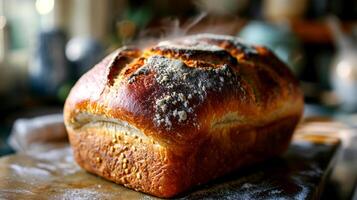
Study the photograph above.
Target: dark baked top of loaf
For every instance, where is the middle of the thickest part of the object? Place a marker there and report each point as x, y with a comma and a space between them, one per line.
180, 89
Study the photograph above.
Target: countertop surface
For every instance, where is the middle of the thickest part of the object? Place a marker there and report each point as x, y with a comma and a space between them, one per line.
51, 173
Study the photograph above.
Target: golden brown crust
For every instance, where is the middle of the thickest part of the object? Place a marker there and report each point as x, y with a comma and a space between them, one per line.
162, 172
183, 95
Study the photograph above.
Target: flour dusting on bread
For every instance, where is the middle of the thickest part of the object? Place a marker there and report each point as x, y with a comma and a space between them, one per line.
185, 87
218, 39
193, 47
187, 70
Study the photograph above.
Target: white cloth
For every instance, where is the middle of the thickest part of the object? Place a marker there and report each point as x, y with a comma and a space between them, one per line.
39, 130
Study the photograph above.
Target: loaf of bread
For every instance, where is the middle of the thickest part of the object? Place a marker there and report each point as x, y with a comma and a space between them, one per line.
165, 118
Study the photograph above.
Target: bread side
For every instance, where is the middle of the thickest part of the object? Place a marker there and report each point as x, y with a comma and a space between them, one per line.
111, 150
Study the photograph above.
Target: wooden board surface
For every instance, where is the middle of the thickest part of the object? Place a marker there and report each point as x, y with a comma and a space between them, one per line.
52, 174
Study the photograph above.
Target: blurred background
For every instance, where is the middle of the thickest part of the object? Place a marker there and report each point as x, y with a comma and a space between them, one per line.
46, 45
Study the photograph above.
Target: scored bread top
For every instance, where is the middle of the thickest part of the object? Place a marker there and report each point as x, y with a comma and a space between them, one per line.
184, 88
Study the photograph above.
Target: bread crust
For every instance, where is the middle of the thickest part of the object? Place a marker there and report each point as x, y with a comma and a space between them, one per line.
200, 106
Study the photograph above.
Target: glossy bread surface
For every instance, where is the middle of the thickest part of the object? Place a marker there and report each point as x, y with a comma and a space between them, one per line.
180, 113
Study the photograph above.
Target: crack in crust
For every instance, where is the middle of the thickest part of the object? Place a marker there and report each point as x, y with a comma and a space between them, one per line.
200, 51
121, 58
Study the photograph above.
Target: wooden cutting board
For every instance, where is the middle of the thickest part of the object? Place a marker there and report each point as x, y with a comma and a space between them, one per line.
52, 174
